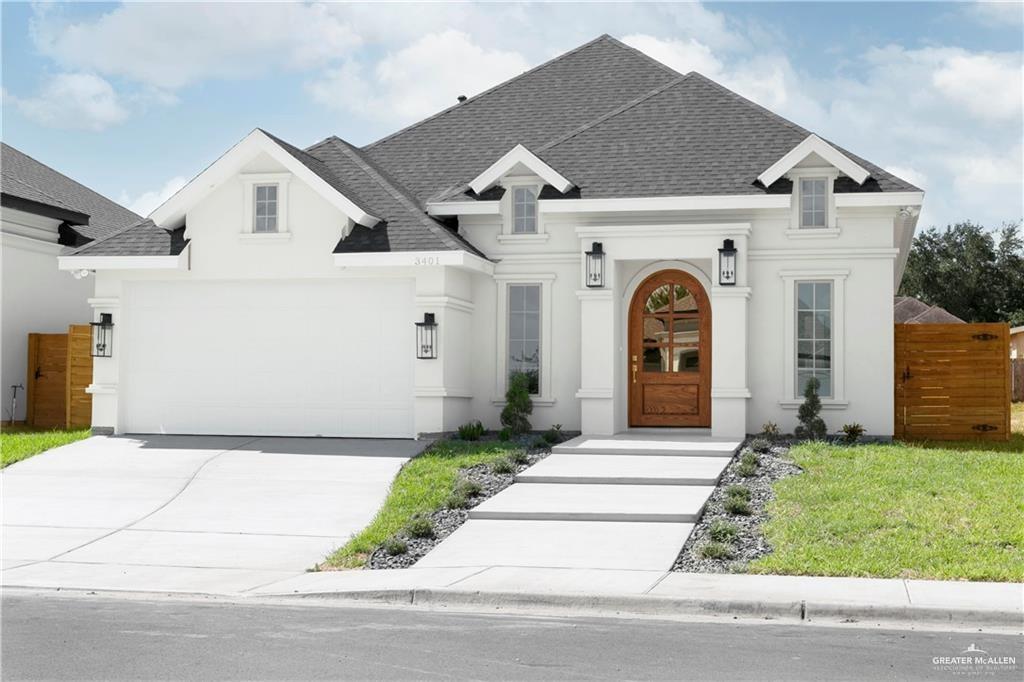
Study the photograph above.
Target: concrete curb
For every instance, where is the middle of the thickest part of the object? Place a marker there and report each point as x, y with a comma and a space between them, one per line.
646, 605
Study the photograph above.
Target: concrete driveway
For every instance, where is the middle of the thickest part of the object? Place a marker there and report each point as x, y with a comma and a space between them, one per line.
188, 513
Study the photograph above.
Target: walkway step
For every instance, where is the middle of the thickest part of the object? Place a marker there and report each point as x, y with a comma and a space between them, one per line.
596, 502
625, 470
667, 445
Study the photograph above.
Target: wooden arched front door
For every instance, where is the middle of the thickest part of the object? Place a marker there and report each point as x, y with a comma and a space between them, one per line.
669, 369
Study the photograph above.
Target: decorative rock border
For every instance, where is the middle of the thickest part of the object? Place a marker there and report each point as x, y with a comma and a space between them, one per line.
749, 543
447, 521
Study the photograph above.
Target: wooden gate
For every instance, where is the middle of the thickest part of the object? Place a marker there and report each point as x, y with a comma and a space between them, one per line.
59, 370
952, 381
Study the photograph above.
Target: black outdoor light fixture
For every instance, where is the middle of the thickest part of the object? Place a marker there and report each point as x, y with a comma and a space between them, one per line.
727, 263
595, 266
103, 336
426, 338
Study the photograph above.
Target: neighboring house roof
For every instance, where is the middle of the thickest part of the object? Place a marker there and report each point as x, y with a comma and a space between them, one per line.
909, 310
24, 178
605, 117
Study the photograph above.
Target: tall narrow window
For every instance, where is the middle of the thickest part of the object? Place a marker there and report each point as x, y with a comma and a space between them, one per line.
814, 336
524, 332
812, 202
524, 210
265, 214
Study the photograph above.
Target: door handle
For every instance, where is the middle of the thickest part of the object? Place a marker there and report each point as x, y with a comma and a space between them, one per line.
634, 369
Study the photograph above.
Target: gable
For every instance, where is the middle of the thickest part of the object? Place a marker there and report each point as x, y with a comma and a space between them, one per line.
814, 151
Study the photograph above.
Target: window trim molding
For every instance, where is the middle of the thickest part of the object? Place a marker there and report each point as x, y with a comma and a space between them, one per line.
831, 228
837, 278
508, 211
502, 281
249, 183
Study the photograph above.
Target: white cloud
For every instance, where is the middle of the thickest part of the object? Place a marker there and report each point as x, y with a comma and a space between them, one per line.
145, 203
911, 175
78, 101
1007, 14
682, 55
418, 80
988, 85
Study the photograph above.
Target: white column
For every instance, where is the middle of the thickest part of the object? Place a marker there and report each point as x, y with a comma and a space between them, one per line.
104, 386
729, 392
597, 361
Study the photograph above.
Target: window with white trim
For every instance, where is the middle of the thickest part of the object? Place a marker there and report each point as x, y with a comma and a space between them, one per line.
813, 203
524, 338
264, 208
524, 210
814, 336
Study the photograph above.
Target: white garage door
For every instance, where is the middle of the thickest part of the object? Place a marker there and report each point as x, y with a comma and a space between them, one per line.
329, 358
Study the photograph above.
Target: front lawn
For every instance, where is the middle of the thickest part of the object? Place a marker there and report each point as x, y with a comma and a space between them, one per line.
17, 443
421, 487
936, 511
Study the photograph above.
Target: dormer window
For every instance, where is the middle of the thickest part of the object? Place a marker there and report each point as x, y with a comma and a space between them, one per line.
524, 210
813, 203
265, 209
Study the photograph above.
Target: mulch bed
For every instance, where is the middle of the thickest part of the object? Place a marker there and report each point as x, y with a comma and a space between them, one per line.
750, 543
447, 521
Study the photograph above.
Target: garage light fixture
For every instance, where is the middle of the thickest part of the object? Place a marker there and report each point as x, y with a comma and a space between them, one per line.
595, 266
103, 336
426, 338
727, 263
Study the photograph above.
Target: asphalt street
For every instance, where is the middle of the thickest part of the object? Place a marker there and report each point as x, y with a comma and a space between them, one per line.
108, 637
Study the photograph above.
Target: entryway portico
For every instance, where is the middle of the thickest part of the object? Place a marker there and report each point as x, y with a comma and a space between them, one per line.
634, 255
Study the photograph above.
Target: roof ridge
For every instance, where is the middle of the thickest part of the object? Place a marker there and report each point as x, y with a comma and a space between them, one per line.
470, 100
641, 53
613, 113
752, 104
356, 156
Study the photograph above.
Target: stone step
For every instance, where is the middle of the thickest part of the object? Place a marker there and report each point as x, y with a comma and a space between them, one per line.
644, 444
596, 502
625, 470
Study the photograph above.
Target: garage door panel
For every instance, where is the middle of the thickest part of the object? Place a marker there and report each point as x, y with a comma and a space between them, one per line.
269, 358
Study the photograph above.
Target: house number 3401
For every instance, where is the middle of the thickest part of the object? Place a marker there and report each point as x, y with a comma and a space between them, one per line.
426, 260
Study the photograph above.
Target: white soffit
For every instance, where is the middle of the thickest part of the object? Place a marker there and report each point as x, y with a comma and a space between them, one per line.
516, 156
171, 213
814, 145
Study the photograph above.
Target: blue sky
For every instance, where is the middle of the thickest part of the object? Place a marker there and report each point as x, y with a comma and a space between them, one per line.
134, 99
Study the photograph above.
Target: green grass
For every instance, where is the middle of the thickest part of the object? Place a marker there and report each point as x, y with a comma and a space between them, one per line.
18, 443
943, 511
421, 487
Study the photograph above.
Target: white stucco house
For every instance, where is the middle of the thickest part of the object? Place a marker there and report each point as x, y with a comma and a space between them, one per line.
279, 291
42, 213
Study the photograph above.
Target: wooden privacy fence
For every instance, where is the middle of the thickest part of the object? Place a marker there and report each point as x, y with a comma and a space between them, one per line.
59, 370
1017, 380
952, 381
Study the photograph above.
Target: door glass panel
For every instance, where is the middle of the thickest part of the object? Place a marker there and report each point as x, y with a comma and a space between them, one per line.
656, 329
656, 359
686, 358
685, 302
658, 301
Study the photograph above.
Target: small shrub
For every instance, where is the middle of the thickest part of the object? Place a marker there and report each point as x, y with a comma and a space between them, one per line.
716, 550
761, 445
852, 433
505, 435
747, 470
518, 406
456, 500
770, 430
739, 491
723, 531
471, 431
395, 545
519, 457
503, 466
737, 506
420, 527
539, 443
749, 458
554, 434
812, 427
468, 488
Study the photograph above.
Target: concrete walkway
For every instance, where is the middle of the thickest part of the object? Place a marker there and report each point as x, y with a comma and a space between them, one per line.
621, 502
188, 513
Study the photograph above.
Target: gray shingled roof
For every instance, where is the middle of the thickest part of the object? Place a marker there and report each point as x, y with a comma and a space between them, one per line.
617, 122
23, 177
144, 238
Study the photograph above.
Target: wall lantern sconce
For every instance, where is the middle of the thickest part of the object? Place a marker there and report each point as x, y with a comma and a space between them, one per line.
103, 336
426, 338
727, 263
595, 266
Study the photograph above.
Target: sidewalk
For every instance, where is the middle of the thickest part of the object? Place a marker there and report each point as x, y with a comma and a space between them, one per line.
965, 604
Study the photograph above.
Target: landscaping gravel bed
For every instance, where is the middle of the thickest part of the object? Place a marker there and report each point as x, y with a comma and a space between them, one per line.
749, 542
447, 521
